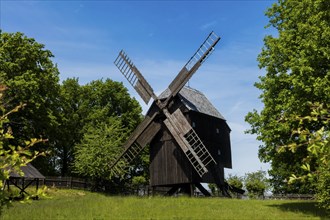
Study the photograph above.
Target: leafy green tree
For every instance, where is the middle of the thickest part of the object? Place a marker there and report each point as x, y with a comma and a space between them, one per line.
31, 78
59, 113
317, 144
103, 99
256, 183
100, 146
12, 158
106, 106
235, 180
86, 106
138, 182
71, 121
214, 189
297, 64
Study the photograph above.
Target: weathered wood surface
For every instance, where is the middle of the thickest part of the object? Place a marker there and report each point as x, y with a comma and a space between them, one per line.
168, 162
194, 63
134, 77
138, 132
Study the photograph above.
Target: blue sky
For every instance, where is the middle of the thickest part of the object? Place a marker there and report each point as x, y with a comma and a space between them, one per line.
160, 37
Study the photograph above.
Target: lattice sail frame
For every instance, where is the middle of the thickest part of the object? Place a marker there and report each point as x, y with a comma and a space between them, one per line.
134, 77
188, 140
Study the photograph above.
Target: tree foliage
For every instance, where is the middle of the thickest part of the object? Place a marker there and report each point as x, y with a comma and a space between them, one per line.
214, 189
85, 106
12, 157
66, 114
107, 115
71, 121
61, 113
31, 78
87, 109
139, 182
235, 181
100, 146
103, 99
297, 72
317, 143
256, 183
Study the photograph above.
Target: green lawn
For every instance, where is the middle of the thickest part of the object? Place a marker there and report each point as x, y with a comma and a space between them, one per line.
76, 204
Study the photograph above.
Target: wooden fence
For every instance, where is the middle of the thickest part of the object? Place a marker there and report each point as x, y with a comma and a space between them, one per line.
67, 182
82, 183
292, 196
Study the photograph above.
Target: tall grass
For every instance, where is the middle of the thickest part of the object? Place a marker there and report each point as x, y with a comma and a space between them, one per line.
75, 204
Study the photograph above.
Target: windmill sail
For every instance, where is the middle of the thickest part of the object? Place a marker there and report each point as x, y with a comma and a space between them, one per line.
189, 141
134, 77
194, 63
141, 136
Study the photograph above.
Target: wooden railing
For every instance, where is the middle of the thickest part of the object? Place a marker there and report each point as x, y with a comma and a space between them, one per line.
67, 182
292, 196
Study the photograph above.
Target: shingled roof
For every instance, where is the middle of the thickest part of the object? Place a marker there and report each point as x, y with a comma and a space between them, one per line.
29, 171
194, 100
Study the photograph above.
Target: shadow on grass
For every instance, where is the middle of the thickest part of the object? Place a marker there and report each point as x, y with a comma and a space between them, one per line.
308, 208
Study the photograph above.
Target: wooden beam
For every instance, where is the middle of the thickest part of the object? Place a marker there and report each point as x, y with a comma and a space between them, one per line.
202, 189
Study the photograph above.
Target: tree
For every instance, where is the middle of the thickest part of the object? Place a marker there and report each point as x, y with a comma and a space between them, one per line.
107, 115
12, 158
235, 180
103, 99
256, 183
214, 189
138, 182
297, 72
31, 78
98, 148
69, 132
90, 105
59, 113
317, 144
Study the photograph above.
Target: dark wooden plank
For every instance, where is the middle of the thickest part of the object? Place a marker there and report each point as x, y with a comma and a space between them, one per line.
149, 133
180, 122
181, 78
143, 82
141, 90
168, 163
176, 136
135, 135
193, 64
135, 78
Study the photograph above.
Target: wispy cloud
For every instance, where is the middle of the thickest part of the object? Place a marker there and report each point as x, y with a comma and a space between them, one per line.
208, 25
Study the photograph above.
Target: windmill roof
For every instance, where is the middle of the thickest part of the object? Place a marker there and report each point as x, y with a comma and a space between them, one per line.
194, 100
29, 171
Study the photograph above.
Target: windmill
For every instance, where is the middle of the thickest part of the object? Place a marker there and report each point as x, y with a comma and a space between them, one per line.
179, 158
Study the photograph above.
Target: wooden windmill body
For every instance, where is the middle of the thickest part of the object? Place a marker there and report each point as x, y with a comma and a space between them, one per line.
168, 164
188, 138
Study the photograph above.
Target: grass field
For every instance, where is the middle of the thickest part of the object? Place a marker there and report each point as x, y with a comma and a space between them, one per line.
76, 204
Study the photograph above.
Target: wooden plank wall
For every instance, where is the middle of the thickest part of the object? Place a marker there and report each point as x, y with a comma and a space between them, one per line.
206, 127
168, 164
